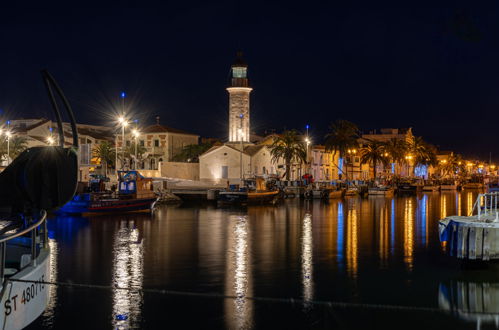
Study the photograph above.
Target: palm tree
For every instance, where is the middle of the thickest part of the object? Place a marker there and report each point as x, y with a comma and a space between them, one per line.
422, 152
130, 151
396, 149
451, 165
105, 153
342, 136
17, 144
373, 153
289, 147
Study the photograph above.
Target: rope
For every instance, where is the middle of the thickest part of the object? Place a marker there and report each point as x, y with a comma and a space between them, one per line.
292, 301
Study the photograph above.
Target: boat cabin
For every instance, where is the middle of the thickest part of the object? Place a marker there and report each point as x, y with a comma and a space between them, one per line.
132, 184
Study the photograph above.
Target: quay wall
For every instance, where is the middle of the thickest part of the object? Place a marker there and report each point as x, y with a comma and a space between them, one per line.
187, 171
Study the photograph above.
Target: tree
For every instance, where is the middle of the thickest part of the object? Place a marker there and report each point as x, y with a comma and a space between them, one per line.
397, 150
422, 153
452, 165
191, 152
130, 152
373, 153
343, 135
16, 145
289, 147
105, 153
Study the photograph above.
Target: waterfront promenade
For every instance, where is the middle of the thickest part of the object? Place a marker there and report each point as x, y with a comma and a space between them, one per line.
380, 255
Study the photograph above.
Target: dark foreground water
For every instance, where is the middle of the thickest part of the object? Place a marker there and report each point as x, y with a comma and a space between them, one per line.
376, 254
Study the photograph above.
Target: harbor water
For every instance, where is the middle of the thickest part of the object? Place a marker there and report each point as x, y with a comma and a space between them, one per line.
351, 263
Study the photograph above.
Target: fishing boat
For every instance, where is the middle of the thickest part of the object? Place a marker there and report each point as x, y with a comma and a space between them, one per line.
448, 185
430, 185
252, 192
352, 191
37, 181
493, 186
473, 185
380, 191
410, 187
134, 194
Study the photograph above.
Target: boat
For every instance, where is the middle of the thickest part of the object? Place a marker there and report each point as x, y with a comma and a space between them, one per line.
252, 192
352, 191
448, 185
324, 191
38, 180
409, 187
493, 186
134, 194
431, 186
380, 191
473, 185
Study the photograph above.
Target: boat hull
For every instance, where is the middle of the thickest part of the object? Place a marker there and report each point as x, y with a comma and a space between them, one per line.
380, 192
473, 186
431, 188
241, 197
23, 302
448, 187
85, 206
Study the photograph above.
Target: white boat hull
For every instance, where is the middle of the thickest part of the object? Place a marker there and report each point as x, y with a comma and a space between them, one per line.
23, 302
380, 192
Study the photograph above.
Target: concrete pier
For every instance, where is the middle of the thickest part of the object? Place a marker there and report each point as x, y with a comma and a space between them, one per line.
475, 237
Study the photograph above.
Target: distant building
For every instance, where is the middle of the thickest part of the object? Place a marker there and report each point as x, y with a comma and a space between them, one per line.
161, 142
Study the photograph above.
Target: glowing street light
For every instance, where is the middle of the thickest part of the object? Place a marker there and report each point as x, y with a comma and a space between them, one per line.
50, 140
8, 134
136, 134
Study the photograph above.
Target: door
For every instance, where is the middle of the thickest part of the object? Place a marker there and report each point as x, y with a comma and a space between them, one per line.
225, 172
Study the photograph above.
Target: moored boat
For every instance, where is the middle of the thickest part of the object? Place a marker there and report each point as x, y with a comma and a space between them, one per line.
381, 191
134, 194
253, 192
448, 185
431, 186
39, 179
473, 185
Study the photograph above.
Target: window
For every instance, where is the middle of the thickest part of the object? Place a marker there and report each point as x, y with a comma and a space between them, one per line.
357, 159
264, 170
127, 143
156, 143
141, 143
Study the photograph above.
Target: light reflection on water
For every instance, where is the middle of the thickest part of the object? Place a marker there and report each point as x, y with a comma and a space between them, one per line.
49, 312
347, 249
306, 259
127, 273
238, 277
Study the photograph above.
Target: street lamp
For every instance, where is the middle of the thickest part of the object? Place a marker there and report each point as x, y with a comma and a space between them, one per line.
136, 134
50, 140
8, 134
124, 123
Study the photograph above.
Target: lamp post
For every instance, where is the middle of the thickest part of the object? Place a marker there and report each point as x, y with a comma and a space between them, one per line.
8, 134
124, 123
307, 140
136, 134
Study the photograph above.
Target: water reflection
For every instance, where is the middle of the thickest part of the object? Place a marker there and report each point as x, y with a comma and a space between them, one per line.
408, 232
49, 312
127, 273
471, 301
352, 241
306, 259
239, 311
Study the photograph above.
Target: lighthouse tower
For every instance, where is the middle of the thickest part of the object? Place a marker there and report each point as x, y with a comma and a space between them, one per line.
239, 102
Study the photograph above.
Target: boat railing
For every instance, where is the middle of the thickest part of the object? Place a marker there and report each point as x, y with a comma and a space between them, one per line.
34, 230
489, 201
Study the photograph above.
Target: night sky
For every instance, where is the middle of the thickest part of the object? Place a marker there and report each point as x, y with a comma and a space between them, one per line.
379, 65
